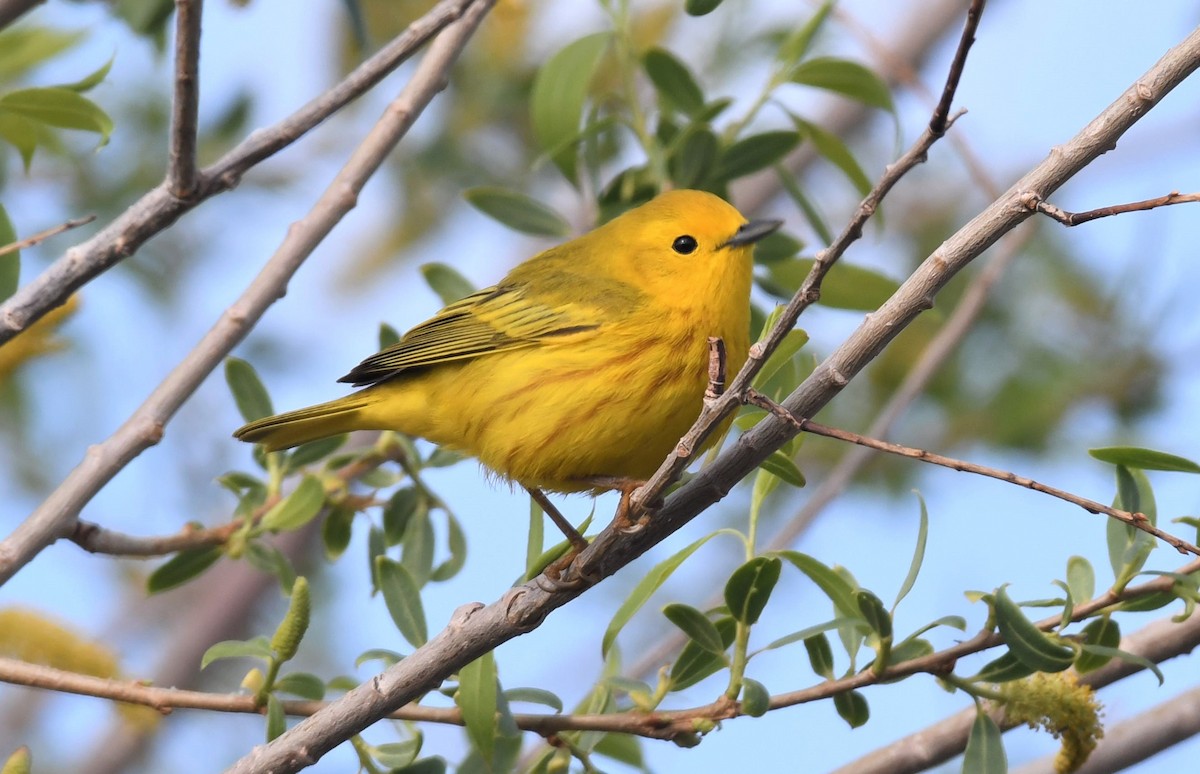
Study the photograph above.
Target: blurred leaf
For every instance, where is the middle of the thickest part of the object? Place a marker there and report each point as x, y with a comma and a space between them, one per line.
700, 7
830, 582
796, 45
844, 77
388, 657
776, 247
457, 543
302, 684
417, 553
434, 765
1144, 459
397, 755
388, 335
835, 151
22, 133
756, 700
146, 17
1001, 670
985, 750
674, 82
310, 452
750, 586
1031, 646
783, 467
182, 567
23, 47
59, 107
90, 81
1102, 631
534, 696
336, 532
846, 286
403, 600
258, 647
403, 505
1081, 579
269, 559
758, 151
625, 748
10, 263
914, 567
811, 213
476, 698
1132, 658
810, 631
695, 663
298, 508
1129, 547
251, 397
693, 162
518, 211
276, 718
559, 91
852, 707
820, 655
444, 280
696, 625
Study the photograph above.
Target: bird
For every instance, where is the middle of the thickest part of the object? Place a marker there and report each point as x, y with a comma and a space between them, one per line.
579, 370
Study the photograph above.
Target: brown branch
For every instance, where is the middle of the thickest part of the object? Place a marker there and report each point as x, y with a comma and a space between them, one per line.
1136, 520
185, 116
55, 518
11, 10
159, 208
1076, 218
41, 236
662, 724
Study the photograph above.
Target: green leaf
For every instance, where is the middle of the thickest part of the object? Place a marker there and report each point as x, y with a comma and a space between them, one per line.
434, 765
985, 751
844, 77
534, 696
307, 454
457, 543
834, 585
298, 508
810, 631
388, 657
1081, 579
417, 554
1001, 670
22, 134
90, 81
914, 567
647, 586
776, 247
1028, 643
336, 532
696, 625
750, 586
404, 504
1133, 658
1128, 547
276, 718
781, 465
796, 45
536, 538
182, 567
756, 699
518, 211
625, 748
444, 280
691, 164
811, 213
820, 655
259, 647
59, 107
266, 557
792, 342
397, 755
375, 549
251, 397
835, 152
674, 82
753, 153
10, 263
845, 287
852, 708
476, 697
302, 684
1144, 459
695, 663
403, 600
388, 335
23, 47
700, 7
1102, 631
556, 102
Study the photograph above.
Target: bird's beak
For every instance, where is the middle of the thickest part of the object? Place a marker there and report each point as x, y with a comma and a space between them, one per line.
753, 231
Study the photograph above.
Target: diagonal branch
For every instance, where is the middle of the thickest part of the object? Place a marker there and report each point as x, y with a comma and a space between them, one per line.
56, 517
185, 115
159, 208
11, 10
475, 629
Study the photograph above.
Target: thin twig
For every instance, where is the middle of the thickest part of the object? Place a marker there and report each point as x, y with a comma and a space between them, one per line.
159, 208
1076, 218
41, 236
662, 724
55, 517
185, 115
1136, 520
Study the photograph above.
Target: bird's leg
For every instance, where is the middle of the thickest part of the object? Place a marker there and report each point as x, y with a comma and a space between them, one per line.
626, 486
578, 542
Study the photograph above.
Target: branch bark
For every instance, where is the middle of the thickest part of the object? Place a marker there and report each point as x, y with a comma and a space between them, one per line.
475, 629
185, 116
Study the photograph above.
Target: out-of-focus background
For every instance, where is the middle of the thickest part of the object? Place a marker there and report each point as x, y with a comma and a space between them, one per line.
1091, 339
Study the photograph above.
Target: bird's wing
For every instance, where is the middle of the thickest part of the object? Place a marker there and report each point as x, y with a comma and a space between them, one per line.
494, 319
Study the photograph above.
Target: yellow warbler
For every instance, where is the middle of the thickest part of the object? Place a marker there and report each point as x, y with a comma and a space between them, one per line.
586, 363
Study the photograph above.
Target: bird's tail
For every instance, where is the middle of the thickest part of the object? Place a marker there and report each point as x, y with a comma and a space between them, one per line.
283, 431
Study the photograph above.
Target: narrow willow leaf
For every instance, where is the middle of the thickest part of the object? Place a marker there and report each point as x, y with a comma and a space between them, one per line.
796, 45
447, 282
1081, 579
251, 397
259, 647
559, 92
914, 567
276, 718
375, 549
404, 504
985, 751
1132, 658
307, 454
830, 582
820, 655
700, 7
336, 532
91, 80
758, 151
792, 343
696, 625
750, 586
536, 539
457, 543
534, 696
1128, 548
691, 165
403, 600
1029, 644
1001, 670
58, 107
298, 508
388, 657
783, 467
625, 748
1104, 632
266, 557
1144, 459
776, 247
518, 211
647, 586
695, 663
674, 82
852, 708
845, 287
756, 699
23, 134
417, 554
844, 77
27, 45
831, 147
10, 263
476, 697
302, 684
810, 631
181, 568
807, 206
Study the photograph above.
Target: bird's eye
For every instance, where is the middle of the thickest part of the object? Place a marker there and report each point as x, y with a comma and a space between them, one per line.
684, 245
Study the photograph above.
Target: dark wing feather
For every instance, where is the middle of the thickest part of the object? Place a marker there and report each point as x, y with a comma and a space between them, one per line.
495, 319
